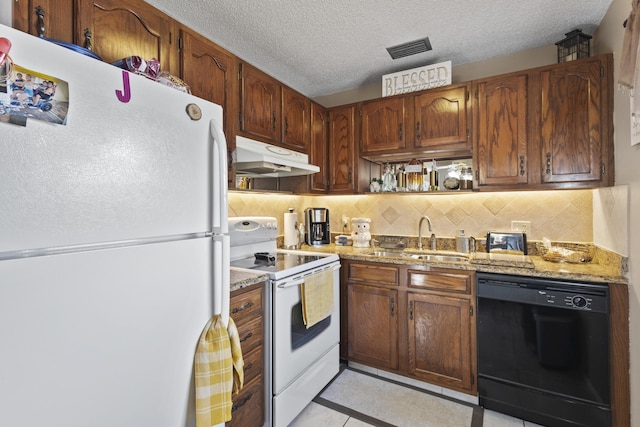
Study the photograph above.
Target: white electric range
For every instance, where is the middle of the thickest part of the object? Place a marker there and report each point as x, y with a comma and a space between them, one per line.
299, 361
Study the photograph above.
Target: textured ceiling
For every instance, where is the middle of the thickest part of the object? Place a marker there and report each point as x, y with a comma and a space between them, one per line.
322, 47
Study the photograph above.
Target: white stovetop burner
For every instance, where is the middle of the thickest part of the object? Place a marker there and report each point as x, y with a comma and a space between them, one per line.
254, 234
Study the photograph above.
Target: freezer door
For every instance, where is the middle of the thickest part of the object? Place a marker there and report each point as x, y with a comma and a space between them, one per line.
103, 338
121, 168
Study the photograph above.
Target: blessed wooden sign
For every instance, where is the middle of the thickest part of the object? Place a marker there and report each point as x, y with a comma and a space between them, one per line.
420, 78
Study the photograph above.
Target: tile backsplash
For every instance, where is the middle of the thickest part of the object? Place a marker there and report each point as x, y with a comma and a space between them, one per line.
565, 215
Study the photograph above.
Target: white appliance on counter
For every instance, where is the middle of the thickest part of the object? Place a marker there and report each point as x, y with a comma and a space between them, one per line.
299, 361
114, 250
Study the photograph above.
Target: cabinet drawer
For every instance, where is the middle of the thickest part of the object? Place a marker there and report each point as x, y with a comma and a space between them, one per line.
443, 281
381, 275
251, 334
248, 406
246, 304
253, 364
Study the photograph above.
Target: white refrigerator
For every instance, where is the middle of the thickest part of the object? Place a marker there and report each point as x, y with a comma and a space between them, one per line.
114, 250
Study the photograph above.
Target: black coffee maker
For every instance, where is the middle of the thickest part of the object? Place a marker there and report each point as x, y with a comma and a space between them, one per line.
317, 229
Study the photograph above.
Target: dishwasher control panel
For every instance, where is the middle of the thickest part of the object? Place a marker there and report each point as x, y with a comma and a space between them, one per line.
573, 301
545, 292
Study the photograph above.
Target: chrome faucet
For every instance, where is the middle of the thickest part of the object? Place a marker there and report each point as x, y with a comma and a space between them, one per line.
433, 236
373, 243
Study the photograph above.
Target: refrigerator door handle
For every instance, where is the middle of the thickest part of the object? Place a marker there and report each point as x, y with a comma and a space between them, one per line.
221, 276
219, 208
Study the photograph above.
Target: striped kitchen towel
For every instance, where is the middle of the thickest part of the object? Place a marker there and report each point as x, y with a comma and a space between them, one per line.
317, 297
213, 367
236, 355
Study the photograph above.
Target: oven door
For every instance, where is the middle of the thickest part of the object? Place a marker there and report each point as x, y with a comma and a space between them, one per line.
296, 348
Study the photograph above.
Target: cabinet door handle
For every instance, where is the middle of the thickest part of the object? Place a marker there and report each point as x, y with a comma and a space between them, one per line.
410, 310
286, 126
400, 132
249, 335
522, 166
393, 307
273, 127
548, 163
350, 175
242, 307
40, 13
87, 39
241, 404
418, 130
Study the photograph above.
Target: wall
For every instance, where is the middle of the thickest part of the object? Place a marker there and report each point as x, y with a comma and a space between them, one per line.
559, 215
523, 60
611, 218
609, 37
5, 13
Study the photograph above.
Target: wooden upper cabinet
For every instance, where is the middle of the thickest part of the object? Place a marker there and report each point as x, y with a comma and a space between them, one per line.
122, 28
342, 150
45, 18
382, 128
259, 104
209, 71
500, 131
206, 68
441, 119
574, 122
318, 151
296, 120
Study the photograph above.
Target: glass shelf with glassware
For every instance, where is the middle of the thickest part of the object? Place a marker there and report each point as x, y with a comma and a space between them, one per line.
424, 176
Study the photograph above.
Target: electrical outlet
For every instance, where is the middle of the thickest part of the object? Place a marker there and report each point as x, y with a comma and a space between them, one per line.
523, 226
345, 223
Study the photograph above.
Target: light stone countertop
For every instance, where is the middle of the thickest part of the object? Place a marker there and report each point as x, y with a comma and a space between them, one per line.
533, 266
242, 279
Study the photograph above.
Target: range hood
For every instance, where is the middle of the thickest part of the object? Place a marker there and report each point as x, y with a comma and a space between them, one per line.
257, 159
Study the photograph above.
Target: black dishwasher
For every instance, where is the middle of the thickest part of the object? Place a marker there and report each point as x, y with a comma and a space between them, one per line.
543, 349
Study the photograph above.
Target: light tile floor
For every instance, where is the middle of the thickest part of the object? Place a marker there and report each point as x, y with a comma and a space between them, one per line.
379, 402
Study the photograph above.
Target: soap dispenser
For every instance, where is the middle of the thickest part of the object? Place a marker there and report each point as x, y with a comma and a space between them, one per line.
462, 242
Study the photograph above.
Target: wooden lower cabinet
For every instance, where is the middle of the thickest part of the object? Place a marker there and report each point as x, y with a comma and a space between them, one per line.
439, 337
247, 311
248, 406
415, 321
373, 325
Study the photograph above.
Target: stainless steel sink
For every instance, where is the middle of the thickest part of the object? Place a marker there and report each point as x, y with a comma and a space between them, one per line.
437, 257
383, 253
418, 256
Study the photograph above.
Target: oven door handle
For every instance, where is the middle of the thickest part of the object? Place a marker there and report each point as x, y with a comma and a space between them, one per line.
300, 280
291, 284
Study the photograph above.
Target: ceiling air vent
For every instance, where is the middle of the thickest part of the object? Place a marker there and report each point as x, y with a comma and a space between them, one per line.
410, 48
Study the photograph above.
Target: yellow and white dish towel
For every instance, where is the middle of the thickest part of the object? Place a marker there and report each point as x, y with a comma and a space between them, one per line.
317, 297
217, 355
